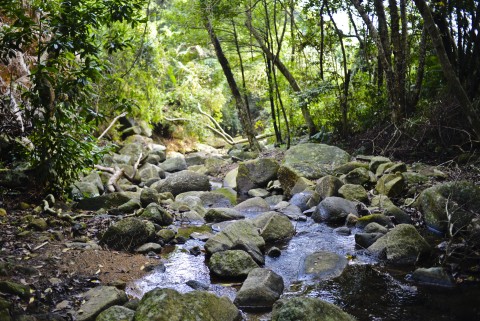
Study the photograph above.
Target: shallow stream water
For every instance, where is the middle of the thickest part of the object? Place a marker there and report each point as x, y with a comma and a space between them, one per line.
366, 289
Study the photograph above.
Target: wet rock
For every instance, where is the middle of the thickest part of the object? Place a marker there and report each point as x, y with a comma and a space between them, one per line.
364, 240
170, 305
81, 190
377, 161
274, 252
301, 199
148, 196
106, 201
251, 206
308, 309
236, 233
328, 186
197, 285
128, 233
260, 290
334, 210
375, 228
255, 174
435, 276
293, 212
222, 214
343, 230
358, 176
21, 290
116, 313
353, 192
231, 264
462, 199
175, 164
401, 245
274, 227
157, 214
149, 247
97, 300
390, 184
324, 265
181, 182
311, 161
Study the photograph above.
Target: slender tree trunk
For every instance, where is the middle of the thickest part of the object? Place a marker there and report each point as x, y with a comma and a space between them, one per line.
448, 69
268, 69
241, 107
284, 70
346, 79
415, 94
242, 70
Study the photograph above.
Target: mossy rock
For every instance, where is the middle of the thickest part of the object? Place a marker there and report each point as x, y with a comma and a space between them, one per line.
374, 218
328, 186
350, 166
402, 245
391, 184
231, 264
128, 234
311, 161
308, 309
21, 290
462, 199
170, 305
353, 192
256, 174
116, 313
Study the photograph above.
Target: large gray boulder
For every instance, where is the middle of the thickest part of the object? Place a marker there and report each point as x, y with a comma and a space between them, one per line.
324, 265
128, 234
170, 305
157, 214
256, 174
308, 309
116, 313
174, 164
311, 161
334, 210
260, 290
402, 245
181, 182
274, 227
98, 299
461, 199
239, 232
231, 264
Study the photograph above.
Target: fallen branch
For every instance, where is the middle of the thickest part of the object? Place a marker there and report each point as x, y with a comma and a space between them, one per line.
111, 125
262, 136
117, 173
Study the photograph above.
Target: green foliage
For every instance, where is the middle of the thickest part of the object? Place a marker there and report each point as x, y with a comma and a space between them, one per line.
63, 36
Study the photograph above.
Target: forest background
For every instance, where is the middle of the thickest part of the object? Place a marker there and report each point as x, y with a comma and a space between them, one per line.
342, 70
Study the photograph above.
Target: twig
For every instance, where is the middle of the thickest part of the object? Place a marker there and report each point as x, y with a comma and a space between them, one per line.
39, 247
111, 124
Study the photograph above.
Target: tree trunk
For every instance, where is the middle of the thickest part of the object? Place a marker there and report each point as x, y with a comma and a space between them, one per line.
448, 69
285, 72
241, 107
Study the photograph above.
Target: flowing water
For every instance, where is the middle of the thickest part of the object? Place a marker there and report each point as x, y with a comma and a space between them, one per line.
366, 289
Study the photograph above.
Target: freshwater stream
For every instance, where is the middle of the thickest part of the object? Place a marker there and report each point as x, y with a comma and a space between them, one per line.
366, 289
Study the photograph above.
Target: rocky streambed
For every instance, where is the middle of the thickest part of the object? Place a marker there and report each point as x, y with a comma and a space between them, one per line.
314, 235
